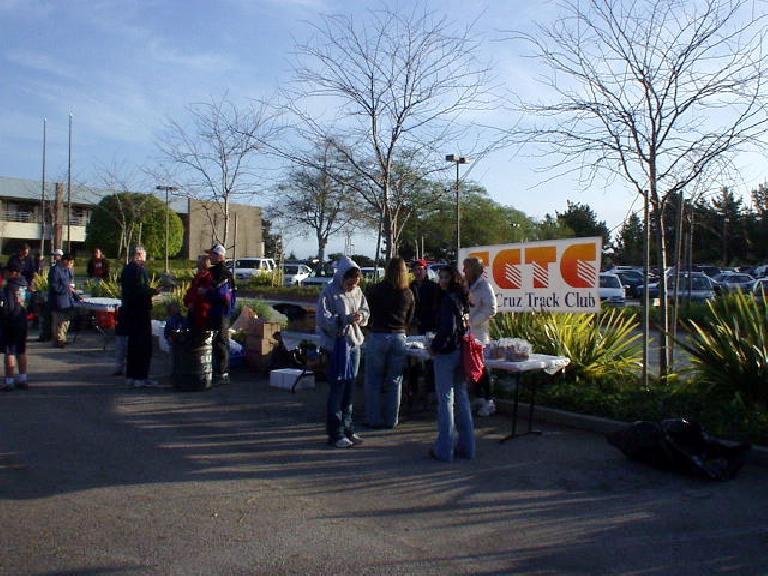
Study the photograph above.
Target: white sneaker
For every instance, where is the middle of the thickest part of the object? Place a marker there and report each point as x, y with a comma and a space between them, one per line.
484, 409
344, 443
136, 383
491, 407
151, 383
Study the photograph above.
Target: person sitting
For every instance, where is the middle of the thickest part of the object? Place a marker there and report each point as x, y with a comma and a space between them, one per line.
454, 412
391, 305
175, 321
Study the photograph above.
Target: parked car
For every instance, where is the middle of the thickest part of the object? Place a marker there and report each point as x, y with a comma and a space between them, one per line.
630, 279
295, 274
702, 287
372, 274
317, 279
761, 271
246, 268
729, 282
617, 269
760, 288
710, 271
611, 290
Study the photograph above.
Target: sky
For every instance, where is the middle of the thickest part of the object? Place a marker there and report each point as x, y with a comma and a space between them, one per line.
123, 68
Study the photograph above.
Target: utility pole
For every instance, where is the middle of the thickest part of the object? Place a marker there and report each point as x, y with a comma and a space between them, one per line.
69, 189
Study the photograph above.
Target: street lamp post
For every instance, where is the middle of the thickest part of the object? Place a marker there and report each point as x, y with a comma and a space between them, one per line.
456, 159
167, 219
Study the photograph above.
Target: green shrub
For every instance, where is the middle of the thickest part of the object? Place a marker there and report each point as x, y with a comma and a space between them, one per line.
730, 351
601, 347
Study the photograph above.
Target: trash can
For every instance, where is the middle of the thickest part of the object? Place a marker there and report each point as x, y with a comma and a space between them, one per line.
192, 354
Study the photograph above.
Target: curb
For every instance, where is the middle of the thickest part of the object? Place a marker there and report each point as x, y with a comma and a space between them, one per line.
758, 455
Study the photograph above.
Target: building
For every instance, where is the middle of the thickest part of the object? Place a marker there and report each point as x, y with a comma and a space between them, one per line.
21, 219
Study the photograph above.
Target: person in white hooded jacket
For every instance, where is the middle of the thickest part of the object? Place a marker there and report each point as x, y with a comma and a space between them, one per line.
342, 311
482, 307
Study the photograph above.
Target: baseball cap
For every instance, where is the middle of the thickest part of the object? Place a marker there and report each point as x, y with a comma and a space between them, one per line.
218, 249
14, 267
58, 252
422, 262
68, 256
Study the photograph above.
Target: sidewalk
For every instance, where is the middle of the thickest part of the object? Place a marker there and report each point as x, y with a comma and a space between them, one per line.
96, 478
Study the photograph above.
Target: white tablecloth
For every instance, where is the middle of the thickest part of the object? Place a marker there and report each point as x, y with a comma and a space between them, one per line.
99, 303
545, 362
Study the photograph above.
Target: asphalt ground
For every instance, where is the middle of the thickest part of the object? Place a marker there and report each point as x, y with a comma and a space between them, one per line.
96, 478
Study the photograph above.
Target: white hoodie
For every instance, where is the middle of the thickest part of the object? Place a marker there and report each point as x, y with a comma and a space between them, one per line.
336, 307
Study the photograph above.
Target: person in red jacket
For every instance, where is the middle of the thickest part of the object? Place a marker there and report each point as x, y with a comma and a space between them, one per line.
198, 304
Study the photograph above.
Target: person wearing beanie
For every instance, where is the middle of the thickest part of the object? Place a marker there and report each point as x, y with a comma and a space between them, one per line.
342, 311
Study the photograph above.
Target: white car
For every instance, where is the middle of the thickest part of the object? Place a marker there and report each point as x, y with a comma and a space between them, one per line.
295, 274
611, 291
372, 274
246, 268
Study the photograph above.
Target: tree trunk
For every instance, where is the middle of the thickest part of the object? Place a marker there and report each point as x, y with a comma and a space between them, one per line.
225, 236
661, 251
321, 243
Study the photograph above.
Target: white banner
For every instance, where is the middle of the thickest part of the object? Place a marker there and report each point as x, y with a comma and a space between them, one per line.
553, 275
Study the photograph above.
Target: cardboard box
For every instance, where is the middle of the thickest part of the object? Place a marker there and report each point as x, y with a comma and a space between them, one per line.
260, 345
264, 329
286, 377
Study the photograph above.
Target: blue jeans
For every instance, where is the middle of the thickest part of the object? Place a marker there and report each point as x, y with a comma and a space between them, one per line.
338, 423
450, 386
384, 363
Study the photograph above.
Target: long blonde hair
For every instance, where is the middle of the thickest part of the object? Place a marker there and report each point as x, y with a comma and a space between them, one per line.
396, 274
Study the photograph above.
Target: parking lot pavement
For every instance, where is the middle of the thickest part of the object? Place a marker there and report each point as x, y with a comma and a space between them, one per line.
96, 478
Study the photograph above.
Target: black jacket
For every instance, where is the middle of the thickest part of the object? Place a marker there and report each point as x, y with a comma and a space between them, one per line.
451, 325
391, 308
427, 300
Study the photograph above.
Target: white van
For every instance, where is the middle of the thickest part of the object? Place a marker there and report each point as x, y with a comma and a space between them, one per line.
245, 268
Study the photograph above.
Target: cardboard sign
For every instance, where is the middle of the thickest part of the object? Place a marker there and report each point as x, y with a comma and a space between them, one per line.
553, 275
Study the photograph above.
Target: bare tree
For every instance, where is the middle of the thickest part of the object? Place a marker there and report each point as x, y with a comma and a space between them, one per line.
398, 83
214, 155
652, 91
315, 196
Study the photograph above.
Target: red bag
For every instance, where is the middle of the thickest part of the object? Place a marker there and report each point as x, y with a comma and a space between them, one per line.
472, 354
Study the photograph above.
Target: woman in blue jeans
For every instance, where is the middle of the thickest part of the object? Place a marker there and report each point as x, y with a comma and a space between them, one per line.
454, 413
391, 304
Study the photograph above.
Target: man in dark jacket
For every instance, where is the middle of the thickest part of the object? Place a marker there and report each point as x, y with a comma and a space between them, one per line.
221, 298
14, 327
26, 263
426, 295
61, 298
137, 314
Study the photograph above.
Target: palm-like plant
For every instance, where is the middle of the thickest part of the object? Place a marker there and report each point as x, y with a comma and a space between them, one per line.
730, 351
604, 346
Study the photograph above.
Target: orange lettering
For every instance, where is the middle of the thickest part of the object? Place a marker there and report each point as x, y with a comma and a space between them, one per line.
577, 265
540, 257
506, 269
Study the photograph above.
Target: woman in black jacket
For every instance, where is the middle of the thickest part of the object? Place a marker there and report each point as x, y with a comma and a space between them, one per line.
450, 386
392, 305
